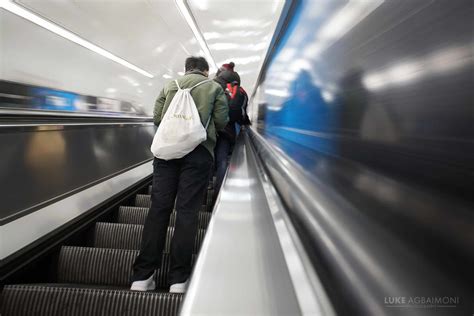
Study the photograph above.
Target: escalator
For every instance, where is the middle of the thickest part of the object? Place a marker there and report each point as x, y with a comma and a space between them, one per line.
95, 279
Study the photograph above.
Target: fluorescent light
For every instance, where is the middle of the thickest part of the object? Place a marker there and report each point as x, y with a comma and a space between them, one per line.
247, 72
339, 24
275, 108
286, 55
405, 72
184, 9
22, 12
450, 58
202, 5
233, 23
232, 34
131, 81
327, 96
234, 46
300, 64
224, 46
161, 48
166, 76
240, 182
243, 60
283, 93
212, 35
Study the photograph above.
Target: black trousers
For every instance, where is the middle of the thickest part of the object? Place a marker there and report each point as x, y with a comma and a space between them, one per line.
221, 153
184, 180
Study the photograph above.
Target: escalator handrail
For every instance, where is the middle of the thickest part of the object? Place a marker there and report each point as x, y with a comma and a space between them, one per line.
360, 257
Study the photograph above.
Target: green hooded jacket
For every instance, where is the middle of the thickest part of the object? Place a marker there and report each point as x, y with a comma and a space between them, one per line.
209, 98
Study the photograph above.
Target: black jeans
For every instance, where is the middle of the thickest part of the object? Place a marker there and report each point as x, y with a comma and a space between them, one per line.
221, 152
185, 180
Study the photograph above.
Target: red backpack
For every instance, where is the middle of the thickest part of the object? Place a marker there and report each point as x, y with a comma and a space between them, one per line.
238, 100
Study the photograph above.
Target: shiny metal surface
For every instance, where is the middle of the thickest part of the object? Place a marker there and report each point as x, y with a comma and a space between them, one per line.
360, 256
59, 125
23, 231
384, 83
43, 164
366, 120
63, 114
309, 291
30, 99
241, 269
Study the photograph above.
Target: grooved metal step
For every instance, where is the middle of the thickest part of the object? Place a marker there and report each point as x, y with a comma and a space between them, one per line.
102, 266
51, 300
128, 236
209, 197
144, 200
137, 215
118, 236
132, 215
87, 265
85, 274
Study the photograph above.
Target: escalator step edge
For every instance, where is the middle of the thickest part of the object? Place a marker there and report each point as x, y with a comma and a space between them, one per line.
137, 215
144, 200
102, 266
127, 236
41, 300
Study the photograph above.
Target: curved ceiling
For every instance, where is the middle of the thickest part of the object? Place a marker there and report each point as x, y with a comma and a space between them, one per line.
150, 34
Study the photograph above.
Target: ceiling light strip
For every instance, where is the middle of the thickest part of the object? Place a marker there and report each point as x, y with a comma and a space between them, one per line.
22, 12
186, 12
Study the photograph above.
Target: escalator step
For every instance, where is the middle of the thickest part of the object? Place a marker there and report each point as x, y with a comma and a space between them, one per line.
137, 215
127, 236
144, 200
209, 200
210, 192
95, 265
117, 236
40, 300
101, 266
203, 219
132, 215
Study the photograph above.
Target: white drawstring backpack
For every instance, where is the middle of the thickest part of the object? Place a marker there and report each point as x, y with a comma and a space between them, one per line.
180, 130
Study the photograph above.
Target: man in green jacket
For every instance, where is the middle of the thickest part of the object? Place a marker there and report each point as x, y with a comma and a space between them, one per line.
184, 180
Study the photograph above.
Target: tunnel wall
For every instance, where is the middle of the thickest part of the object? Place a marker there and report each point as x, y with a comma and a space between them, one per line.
369, 105
383, 83
45, 163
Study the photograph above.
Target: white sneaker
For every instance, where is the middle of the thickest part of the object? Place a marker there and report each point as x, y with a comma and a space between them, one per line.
179, 287
144, 285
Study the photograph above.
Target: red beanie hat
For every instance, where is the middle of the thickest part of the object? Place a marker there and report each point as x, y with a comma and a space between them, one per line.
229, 66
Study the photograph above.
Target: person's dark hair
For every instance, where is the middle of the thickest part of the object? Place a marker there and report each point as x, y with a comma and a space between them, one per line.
229, 76
226, 67
196, 63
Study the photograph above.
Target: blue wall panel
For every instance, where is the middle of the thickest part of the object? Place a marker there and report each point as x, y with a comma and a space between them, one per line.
384, 83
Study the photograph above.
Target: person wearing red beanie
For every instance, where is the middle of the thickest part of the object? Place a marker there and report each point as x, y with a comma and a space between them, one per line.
237, 100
